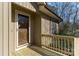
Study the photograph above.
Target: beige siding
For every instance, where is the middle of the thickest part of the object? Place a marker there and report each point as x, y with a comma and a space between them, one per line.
45, 26
57, 28
1, 13
4, 35
48, 26
27, 5
5, 28
11, 30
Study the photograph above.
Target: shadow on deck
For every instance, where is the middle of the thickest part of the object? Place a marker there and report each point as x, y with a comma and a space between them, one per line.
34, 51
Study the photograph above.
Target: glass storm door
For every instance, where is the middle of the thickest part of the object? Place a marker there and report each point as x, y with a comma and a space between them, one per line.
23, 29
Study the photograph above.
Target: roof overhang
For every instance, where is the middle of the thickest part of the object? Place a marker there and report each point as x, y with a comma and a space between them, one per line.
41, 3
45, 9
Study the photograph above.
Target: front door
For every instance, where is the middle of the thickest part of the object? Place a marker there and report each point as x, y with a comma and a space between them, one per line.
22, 30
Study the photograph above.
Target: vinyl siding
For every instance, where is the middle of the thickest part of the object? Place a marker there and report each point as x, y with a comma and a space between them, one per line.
4, 28
1, 13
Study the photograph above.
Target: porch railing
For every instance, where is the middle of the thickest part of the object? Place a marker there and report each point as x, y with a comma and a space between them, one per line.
62, 44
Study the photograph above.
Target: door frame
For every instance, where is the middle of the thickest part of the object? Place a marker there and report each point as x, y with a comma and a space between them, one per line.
16, 27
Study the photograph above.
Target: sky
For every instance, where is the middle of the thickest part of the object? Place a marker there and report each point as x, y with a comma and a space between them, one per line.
67, 11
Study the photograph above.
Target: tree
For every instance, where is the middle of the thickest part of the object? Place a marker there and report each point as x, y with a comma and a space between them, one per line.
69, 12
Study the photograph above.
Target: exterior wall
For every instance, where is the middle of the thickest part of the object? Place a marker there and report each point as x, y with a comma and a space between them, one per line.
8, 25
45, 26
4, 28
48, 26
35, 22
13, 22
1, 8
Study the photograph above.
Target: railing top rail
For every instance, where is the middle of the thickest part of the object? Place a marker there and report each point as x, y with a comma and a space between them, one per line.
57, 36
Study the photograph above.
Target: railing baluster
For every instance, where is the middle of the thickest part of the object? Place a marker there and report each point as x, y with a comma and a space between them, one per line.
52, 42
68, 46
55, 43
44, 41
72, 50
58, 44
64, 45
48, 42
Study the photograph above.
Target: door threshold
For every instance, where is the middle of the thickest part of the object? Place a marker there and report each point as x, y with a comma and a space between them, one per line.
22, 46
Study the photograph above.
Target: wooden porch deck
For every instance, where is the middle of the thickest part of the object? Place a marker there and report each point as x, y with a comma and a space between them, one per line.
34, 51
26, 52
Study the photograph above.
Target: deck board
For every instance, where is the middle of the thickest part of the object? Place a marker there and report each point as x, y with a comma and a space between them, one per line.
26, 52
34, 51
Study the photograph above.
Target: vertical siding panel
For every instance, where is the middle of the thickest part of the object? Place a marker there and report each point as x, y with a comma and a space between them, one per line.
10, 31
5, 28
0, 28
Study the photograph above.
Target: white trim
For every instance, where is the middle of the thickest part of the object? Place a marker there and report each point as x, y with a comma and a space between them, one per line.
16, 32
